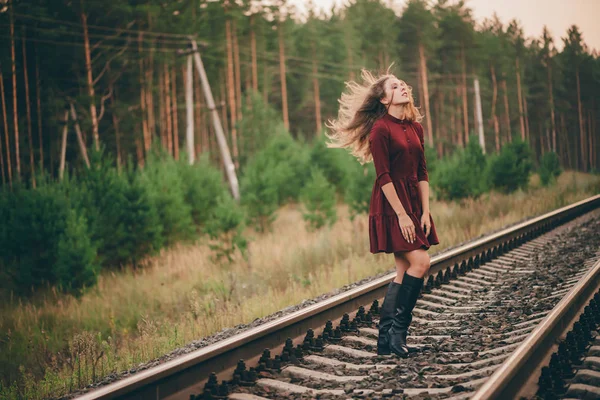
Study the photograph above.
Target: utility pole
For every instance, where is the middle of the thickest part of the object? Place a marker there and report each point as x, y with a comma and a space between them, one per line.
189, 108
479, 115
210, 102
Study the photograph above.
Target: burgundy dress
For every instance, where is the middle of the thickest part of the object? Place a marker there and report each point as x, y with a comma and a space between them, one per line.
398, 153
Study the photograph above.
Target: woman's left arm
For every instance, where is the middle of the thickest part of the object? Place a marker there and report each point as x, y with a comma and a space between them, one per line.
423, 178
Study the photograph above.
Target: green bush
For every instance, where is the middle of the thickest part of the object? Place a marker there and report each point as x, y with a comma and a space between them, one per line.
76, 265
260, 122
333, 163
460, 175
36, 227
318, 200
292, 161
100, 196
510, 170
359, 189
259, 187
203, 185
225, 226
166, 190
549, 168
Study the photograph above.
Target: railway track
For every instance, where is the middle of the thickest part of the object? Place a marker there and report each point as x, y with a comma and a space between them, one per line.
486, 319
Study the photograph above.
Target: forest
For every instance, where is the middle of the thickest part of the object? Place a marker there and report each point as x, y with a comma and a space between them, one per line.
105, 186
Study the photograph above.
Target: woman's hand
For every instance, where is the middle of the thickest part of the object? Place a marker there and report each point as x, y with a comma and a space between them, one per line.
426, 223
407, 227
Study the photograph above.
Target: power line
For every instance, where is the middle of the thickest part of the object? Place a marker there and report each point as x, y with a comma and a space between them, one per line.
106, 28
100, 36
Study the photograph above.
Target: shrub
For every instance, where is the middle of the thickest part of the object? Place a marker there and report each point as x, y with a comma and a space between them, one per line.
359, 189
460, 175
318, 199
549, 168
510, 170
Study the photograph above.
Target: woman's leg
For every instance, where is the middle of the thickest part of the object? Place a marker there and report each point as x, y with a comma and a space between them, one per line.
402, 266
412, 284
419, 263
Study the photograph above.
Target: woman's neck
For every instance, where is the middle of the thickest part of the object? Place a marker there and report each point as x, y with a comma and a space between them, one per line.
399, 111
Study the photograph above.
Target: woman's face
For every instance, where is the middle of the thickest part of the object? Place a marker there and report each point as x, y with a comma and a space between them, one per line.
396, 91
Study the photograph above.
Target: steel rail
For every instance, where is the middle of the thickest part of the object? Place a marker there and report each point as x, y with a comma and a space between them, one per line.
510, 379
183, 372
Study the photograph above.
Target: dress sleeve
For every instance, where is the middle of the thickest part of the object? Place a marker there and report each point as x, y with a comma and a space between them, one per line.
379, 140
422, 174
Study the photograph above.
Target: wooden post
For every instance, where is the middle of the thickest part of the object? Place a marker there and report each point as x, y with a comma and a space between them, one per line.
189, 109
479, 115
63, 146
229, 166
79, 136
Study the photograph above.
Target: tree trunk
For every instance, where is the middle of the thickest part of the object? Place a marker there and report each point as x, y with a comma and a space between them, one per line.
38, 96
464, 94
174, 112
506, 109
161, 112
581, 128
238, 74
223, 105
6, 134
526, 117
565, 140
254, 62
452, 118
520, 99
28, 111
552, 118
115, 119
589, 143
188, 82
231, 90
150, 88
168, 108
494, 116
90, 80
425, 86
145, 129
284, 102
438, 117
14, 92
316, 91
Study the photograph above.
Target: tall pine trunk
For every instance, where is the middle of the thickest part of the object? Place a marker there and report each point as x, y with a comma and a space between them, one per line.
494, 102
464, 95
28, 111
316, 91
253, 49
284, 100
520, 99
168, 109
14, 92
581, 128
425, 85
174, 112
143, 99
231, 90
6, 134
238, 73
506, 109
38, 96
552, 117
90, 79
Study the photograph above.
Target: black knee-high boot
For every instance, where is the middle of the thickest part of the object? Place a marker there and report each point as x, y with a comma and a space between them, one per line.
407, 298
386, 314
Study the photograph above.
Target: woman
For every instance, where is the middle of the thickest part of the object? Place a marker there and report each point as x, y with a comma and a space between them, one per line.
378, 121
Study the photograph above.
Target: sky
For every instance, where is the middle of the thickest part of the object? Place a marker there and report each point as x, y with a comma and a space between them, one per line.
557, 15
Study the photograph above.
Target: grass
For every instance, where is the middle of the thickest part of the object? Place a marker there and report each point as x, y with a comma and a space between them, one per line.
56, 343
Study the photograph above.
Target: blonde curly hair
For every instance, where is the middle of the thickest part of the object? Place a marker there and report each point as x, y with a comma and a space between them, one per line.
360, 107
